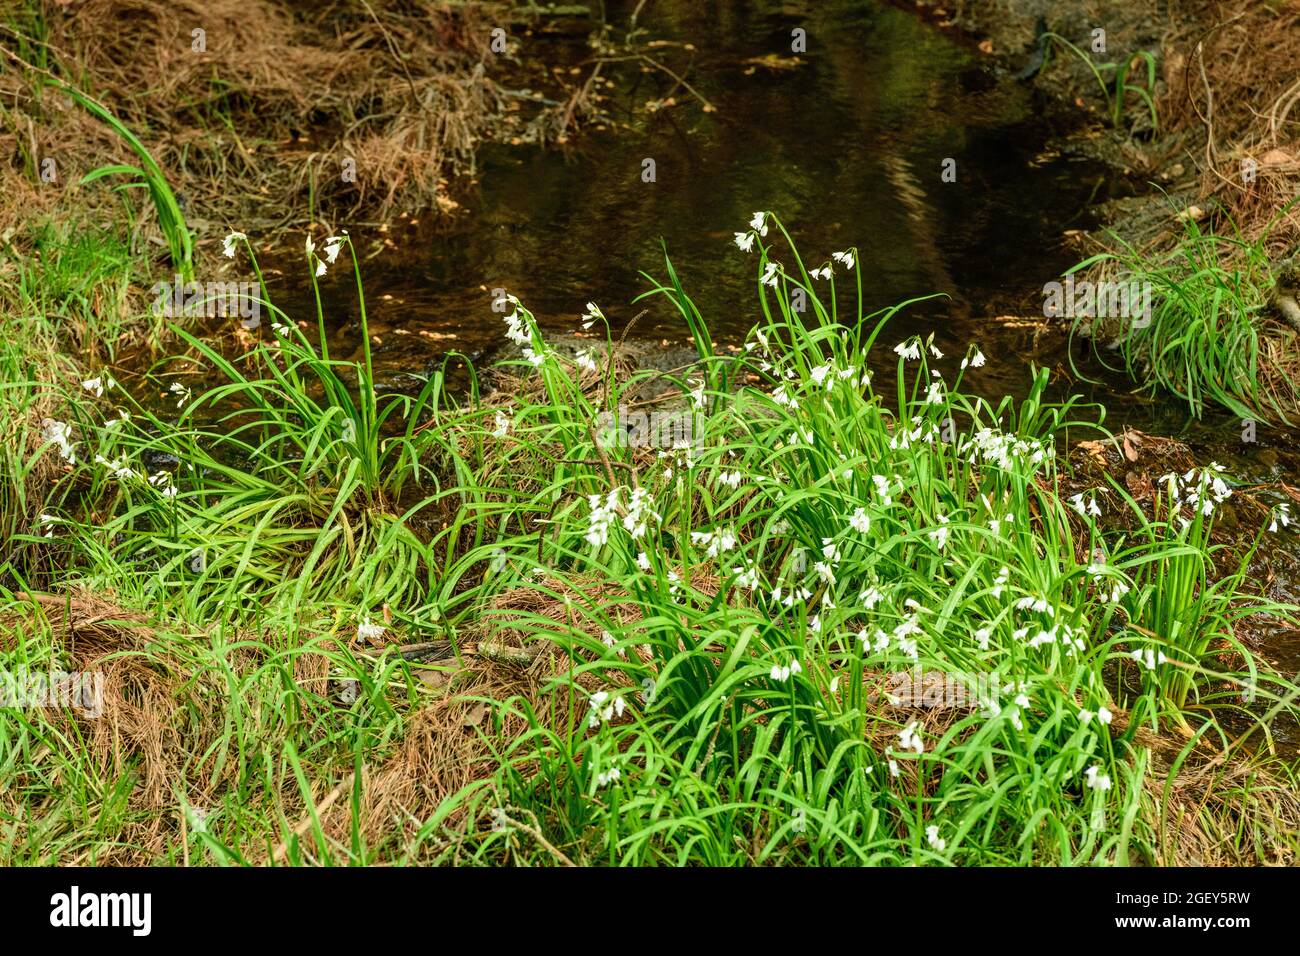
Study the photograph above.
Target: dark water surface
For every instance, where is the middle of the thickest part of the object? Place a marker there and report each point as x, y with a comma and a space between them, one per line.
847, 146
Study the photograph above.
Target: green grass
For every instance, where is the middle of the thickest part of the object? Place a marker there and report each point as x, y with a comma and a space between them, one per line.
1204, 342
1116, 99
906, 523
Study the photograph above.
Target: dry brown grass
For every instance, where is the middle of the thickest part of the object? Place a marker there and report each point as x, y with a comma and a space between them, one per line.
280, 98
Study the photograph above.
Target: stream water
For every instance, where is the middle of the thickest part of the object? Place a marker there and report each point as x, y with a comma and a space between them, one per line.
847, 142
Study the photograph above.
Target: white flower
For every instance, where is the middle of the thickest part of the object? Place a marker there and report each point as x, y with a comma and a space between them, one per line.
844, 258
716, 542
940, 534
825, 572
643, 561
60, 434
1104, 715
591, 315
367, 632
909, 350
782, 674
118, 467
602, 515
1281, 517
599, 708
45, 524
1149, 657
770, 274
1096, 779
516, 331
1085, 508
228, 244
181, 392
934, 350
823, 273
97, 384
860, 521
640, 512
744, 241
974, 361
585, 361
606, 777
932, 837
758, 223
502, 425
1000, 582
332, 246
909, 739
746, 577
535, 359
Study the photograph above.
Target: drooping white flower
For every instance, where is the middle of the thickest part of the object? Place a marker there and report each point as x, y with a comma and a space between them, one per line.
606, 777
367, 632
782, 673
640, 512
228, 244
860, 521
60, 434
591, 315
744, 241
975, 360
1281, 518
502, 424
585, 361
1097, 780
1148, 657
97, 384
603, 513
603, 708
716, 542
844, 258
932, 837
771, 274
939, 535
909, 739
909, 350
759, 223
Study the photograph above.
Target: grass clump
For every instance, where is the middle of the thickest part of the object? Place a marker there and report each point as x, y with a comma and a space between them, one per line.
1207, 339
